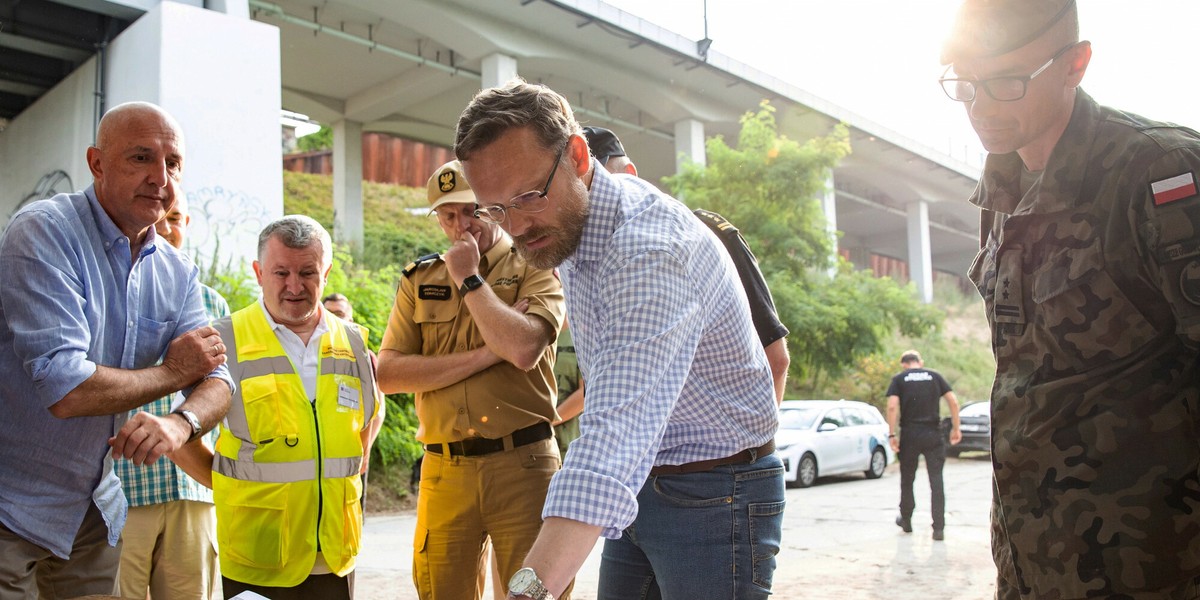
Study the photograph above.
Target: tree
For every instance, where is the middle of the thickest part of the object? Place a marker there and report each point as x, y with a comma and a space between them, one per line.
322, 139
768, 187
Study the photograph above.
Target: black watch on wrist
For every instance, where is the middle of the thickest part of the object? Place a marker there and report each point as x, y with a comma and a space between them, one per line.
471, 283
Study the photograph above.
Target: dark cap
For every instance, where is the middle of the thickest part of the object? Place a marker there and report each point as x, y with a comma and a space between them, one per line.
603, 143
987, 28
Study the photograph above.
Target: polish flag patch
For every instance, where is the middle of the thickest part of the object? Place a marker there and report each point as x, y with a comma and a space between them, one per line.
1173, 188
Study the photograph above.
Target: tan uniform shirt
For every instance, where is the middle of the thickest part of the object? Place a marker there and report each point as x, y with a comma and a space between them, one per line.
431, 319
1091, 281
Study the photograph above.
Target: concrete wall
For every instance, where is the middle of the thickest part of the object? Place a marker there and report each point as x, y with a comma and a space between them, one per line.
51, 135
219, 76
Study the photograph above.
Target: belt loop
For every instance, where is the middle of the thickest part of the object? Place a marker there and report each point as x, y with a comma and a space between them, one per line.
508, 442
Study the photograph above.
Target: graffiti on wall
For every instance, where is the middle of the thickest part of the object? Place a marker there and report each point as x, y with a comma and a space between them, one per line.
54, 182
225, 224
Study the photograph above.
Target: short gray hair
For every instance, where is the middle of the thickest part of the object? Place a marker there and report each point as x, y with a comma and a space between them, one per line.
298, 232
494, 111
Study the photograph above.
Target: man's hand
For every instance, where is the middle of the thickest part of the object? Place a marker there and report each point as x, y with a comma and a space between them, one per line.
195, 354
895, 443
462, 258
145, 437
955, 436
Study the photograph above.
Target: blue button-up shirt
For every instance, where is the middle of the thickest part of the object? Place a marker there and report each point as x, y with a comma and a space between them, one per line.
72, 299
663, 335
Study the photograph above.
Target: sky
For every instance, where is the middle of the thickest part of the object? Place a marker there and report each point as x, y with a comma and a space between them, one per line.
879, 58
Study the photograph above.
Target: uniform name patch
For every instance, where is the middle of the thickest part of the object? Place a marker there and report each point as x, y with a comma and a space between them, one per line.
434, 292
1173, 188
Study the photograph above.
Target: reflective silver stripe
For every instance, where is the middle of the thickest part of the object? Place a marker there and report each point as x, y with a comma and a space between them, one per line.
289, 472
337, 366
235, 419
332, 468
265, 366
366, 371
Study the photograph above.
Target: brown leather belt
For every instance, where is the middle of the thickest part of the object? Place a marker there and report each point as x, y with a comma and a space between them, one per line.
480, 446
744, 457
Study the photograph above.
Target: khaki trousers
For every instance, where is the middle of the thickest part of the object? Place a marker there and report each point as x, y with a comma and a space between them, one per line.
465, 499
28, 571
169, 550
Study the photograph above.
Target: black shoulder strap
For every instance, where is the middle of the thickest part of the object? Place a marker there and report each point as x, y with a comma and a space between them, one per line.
412, 266
715, 222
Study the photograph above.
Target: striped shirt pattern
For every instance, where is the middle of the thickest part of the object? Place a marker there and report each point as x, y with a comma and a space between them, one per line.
162, 481
674, 369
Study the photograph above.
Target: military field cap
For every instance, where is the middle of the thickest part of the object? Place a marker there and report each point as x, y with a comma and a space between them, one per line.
987, 28
447, 185
603, 143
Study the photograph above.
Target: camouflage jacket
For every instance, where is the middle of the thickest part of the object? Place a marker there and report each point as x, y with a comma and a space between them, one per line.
1091, 282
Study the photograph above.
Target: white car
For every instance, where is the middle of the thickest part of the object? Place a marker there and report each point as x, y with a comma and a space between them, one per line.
831, 437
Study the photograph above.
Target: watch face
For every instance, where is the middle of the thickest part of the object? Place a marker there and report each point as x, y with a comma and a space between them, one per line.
522, 581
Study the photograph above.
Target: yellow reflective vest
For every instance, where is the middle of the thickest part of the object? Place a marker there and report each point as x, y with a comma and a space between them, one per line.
286, 471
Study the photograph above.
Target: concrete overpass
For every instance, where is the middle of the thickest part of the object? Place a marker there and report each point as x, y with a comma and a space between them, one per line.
408, 67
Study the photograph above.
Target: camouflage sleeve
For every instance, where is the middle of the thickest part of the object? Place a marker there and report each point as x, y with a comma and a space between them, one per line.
1169, 229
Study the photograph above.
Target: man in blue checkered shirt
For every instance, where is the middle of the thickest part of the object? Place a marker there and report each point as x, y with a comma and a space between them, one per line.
675, 464
169, 543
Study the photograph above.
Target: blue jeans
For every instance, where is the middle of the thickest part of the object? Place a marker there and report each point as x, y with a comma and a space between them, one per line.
711, 535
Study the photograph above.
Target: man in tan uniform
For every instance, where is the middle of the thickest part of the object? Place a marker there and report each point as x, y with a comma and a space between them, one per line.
471, 335
1089, 267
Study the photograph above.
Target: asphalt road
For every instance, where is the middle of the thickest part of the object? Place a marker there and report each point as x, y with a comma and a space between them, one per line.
839, 542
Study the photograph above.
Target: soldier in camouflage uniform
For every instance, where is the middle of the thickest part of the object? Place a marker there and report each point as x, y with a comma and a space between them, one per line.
1089, 267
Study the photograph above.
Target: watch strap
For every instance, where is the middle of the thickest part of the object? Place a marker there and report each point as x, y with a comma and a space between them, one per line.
192, 421
473, 282
531, 585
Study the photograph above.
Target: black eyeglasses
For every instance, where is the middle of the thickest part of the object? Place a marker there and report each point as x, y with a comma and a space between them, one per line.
530, 202
1002, 89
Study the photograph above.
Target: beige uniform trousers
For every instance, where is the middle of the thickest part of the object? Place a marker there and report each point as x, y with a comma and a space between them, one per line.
170, 551
463, 501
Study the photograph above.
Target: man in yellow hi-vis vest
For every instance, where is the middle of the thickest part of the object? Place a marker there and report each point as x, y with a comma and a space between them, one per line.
285, 476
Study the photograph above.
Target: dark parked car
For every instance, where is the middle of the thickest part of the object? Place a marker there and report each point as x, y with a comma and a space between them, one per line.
975, 420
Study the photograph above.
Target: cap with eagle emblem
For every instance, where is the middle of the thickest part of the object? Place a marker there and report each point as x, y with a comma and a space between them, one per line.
447, 185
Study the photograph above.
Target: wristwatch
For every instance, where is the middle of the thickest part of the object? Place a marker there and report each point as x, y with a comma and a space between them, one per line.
471, 283
526, 583
191, 419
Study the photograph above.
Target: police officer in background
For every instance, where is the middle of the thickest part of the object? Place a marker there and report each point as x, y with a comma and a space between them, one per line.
1089, 268
912, 399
